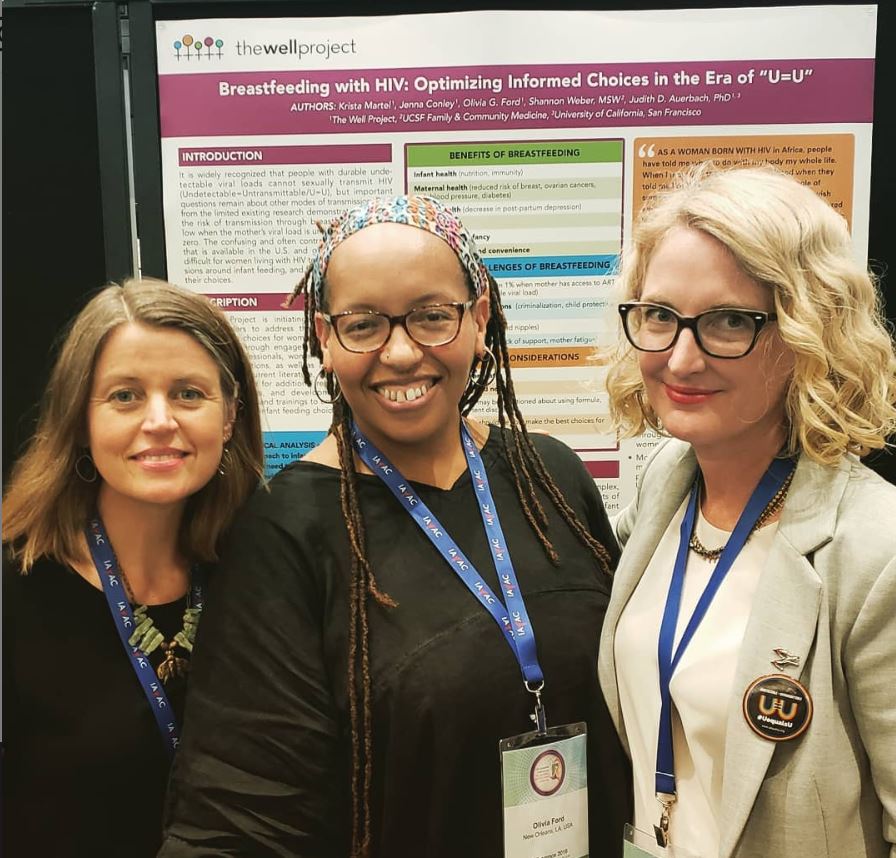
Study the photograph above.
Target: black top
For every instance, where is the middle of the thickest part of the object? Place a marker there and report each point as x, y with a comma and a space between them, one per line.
264, 765
85, 767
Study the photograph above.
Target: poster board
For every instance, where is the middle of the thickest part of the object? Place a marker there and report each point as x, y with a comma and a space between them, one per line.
546, 130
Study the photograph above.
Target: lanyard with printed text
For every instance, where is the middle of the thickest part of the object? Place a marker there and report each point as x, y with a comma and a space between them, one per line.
107, 568
778, 472
511, 617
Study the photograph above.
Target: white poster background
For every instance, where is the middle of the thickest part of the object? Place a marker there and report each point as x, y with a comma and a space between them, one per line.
545, 130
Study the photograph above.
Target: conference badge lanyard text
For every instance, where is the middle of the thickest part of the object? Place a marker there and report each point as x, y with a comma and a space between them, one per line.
637, 843
545, 792
107, 568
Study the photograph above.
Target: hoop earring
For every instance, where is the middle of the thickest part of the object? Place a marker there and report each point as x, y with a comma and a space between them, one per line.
652, 421
335, 382
86, 457
486, 370
224, 464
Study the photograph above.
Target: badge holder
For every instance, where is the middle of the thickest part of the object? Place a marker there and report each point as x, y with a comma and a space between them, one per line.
544, 785
640, 844
544, 781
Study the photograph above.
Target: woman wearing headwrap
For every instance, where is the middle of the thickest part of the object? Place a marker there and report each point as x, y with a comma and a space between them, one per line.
364, 656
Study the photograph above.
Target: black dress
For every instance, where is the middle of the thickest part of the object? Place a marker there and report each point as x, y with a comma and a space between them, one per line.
264, 766
85, 769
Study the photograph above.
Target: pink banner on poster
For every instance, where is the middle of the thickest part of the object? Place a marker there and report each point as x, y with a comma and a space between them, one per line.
254, 302
603, 470
736, 92
203, 156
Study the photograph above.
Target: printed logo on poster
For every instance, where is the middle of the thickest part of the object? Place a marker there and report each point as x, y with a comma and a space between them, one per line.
188, 47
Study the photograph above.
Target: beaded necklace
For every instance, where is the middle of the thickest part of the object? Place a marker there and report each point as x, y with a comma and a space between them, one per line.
771, 508
147, 638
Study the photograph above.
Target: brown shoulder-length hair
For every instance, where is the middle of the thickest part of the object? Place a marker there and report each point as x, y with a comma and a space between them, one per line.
46, 505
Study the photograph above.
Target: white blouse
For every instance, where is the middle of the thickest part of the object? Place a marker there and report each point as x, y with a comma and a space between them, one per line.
701, 687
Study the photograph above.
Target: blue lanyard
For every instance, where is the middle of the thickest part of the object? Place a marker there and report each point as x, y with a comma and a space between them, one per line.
107, 567
768, 486
511, 617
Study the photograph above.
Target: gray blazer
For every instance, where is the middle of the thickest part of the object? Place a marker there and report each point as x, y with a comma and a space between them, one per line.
827, 595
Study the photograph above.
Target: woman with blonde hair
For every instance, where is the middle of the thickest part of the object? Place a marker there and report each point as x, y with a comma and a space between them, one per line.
749, 651
149, 440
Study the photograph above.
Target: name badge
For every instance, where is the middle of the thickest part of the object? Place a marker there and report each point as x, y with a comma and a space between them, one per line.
544, 779
777, 707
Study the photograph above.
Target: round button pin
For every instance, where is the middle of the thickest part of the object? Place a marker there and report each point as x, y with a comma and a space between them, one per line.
777, 707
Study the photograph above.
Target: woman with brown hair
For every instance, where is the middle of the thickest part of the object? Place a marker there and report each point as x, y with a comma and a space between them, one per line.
351, 690
149, 439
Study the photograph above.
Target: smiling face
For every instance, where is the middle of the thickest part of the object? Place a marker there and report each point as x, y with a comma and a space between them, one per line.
732, 407
157, 420
402, 393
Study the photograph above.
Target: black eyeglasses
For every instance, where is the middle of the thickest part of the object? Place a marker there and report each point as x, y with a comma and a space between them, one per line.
724, 333
362, 331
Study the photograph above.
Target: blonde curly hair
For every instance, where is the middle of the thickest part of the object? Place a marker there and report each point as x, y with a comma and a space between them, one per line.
842, 394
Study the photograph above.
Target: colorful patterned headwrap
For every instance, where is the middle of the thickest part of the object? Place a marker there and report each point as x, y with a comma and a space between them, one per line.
420, 211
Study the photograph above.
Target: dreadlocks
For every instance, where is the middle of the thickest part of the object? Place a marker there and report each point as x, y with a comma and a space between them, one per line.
528, 471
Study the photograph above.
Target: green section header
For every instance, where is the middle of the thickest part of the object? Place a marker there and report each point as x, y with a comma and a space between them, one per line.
515, 152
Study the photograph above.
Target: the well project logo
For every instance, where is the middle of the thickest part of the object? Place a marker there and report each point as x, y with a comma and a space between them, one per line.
187, 47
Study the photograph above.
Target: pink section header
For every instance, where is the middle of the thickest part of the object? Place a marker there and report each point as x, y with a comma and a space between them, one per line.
485, 97
203, 156
605, 470
253, 302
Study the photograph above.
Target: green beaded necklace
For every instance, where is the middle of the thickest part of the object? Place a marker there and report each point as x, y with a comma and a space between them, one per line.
147, 638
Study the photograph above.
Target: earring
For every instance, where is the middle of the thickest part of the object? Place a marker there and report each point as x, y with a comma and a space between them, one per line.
93, 473
484, 374
224, 464
649, 415
331, 381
